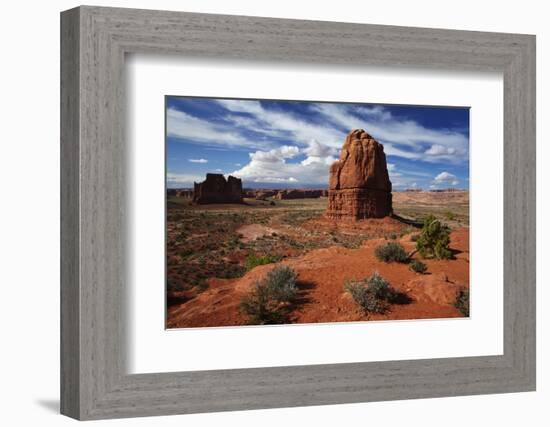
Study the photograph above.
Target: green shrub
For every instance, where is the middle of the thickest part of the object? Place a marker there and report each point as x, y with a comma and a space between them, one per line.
253, 260
173, 286
381, 288
391, 252
281, 282
434, 239
372, 294
201, 285
271, 298
364, 298
418, 266
260, 307
462, 302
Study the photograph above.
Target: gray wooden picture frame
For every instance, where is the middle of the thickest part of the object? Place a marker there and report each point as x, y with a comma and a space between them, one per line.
94, 41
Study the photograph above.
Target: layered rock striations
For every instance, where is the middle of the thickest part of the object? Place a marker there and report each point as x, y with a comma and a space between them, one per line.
359, 184
216, 189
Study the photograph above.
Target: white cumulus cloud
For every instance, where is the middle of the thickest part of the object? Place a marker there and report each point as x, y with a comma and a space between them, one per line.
180, 179
439, 150
198, 160
446, 178
273, 166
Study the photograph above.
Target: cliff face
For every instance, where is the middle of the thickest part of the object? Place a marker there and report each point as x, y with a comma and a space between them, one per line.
359, 184
216, 189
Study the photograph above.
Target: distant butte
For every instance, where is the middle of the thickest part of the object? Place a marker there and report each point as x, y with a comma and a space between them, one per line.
216, 189
359, 184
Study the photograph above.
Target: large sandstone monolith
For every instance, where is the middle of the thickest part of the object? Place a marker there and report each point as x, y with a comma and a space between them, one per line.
215, 189
359, 185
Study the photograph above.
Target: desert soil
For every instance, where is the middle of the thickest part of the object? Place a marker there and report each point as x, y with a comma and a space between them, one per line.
207, 247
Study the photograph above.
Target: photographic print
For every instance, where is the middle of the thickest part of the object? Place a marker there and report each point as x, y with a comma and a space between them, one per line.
292, 212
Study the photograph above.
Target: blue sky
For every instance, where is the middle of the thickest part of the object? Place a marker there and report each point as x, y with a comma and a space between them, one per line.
291, 144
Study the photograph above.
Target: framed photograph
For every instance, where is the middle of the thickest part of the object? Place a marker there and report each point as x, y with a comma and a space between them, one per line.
283, 212
262, 213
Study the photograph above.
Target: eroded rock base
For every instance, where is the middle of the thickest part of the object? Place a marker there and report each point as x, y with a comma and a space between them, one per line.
358, 203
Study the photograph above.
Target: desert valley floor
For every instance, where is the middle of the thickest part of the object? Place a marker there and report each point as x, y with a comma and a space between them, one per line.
210, 247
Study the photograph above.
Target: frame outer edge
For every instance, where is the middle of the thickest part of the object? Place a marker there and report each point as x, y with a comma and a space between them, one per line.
527, 130
90, 365
520, 215
532, 184
70, 396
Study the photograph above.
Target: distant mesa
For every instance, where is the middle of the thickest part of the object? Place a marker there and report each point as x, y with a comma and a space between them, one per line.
260, 194
216, 189
186, 193
300, 194
359, 184
285, 194
447, 190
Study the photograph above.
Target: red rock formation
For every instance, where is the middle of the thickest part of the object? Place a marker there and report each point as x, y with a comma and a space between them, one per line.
215, 189
298, 194
359, 184
186, 193
180, 192
264, 194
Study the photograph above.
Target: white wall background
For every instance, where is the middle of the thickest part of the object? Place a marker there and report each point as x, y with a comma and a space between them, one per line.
29, 213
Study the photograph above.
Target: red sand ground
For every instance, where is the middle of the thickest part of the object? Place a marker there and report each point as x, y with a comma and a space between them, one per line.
321, 276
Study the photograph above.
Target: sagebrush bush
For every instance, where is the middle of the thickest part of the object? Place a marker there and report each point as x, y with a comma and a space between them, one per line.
462, 302
173, 286
434, 239
260, 307
365, 298
418, 266
381, 288
253, 260
281, 282
271, 298
391, 252
372, 294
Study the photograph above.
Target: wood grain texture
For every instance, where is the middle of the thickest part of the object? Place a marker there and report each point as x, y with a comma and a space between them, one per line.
70, 314
94, 232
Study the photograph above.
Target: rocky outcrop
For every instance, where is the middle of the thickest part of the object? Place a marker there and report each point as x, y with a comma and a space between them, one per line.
298, 194
359, 184
264, 194
447, 190
187, 193
287, 194
216, 189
